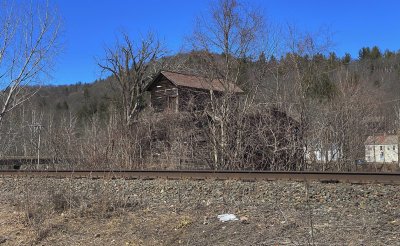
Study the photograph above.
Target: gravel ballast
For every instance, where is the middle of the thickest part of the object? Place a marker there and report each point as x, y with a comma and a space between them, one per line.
174, 212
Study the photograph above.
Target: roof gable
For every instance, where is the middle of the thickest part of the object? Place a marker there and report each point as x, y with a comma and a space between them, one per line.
197, 82
382, 140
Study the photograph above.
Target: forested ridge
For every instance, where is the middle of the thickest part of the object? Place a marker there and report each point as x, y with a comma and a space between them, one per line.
376, 72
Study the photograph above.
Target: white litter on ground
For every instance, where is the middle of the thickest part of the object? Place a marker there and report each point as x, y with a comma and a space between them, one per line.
227, 217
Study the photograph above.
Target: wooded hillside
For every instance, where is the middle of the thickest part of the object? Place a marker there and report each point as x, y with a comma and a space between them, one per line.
298, 96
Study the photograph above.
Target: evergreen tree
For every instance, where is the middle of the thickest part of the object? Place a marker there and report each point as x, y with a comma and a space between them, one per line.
388, 54
272, 59
333, 59
375, 53
261, 58
318, 58
364, 53
346, 59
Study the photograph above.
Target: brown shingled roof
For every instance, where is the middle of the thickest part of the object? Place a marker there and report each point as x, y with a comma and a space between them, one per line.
198, 82
381, 140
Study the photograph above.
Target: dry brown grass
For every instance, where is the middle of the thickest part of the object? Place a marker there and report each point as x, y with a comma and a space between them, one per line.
160, 212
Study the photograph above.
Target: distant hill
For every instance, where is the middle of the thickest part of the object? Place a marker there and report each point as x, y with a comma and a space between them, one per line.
380, 73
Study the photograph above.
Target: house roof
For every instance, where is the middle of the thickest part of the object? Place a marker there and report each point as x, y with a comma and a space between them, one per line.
382, 140
198, 82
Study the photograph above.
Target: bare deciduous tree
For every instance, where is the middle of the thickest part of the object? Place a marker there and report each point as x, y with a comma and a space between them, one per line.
232, 30
29, 36
129, 62
397, 110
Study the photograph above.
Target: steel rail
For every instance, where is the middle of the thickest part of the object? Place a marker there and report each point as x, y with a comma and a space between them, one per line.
329, 177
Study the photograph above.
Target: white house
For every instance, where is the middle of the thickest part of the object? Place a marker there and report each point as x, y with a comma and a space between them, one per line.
382, 149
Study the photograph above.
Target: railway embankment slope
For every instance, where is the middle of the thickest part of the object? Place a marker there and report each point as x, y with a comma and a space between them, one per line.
48, 211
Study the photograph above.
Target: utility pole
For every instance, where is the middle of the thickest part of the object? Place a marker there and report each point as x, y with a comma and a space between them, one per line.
398, 134
397, 125
36, 128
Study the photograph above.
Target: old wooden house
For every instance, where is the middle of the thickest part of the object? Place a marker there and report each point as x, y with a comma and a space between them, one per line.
272, 139
172, 91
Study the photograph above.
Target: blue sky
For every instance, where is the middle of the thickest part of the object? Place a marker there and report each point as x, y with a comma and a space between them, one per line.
90, 25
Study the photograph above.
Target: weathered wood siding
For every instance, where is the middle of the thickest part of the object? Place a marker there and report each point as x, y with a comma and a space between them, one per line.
164, 96
193, 99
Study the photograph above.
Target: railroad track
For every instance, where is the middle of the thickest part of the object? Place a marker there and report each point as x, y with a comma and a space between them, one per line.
328, 177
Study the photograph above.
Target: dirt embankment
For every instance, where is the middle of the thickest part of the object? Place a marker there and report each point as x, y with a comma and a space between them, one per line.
161, 212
